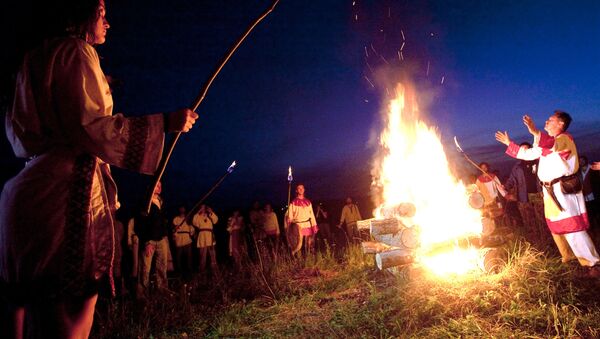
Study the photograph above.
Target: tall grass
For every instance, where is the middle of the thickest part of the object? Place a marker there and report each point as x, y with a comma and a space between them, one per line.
533, 295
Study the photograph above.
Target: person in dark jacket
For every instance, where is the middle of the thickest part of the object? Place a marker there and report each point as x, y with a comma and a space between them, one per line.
153, 231
524, 187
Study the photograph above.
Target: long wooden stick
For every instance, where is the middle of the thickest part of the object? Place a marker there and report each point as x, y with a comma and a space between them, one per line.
166, 156
194, 209
460, 150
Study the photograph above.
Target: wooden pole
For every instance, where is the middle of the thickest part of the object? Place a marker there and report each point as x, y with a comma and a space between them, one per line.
166, 156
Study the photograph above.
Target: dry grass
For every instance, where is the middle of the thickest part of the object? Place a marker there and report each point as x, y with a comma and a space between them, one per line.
533, 296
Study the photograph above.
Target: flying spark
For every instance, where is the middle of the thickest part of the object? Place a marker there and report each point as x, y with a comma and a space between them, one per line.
402, 47
427, 68
369, 82
403, 39
442, 82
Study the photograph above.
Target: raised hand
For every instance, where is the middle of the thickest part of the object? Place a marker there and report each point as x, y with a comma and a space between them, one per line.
528, 122
502, 137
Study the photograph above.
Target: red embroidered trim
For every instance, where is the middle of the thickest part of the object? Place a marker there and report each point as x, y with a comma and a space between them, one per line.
73, 279
512, 149
301, 202
569, 225
546, 141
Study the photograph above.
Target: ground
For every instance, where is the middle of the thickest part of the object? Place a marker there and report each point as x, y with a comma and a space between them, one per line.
327, 295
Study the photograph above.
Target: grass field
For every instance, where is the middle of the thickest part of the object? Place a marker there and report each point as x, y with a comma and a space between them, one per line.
533, 296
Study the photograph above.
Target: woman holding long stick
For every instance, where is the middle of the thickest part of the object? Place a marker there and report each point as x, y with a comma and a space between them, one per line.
57, 214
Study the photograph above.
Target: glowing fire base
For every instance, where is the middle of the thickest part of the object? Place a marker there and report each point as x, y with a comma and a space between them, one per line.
396, 244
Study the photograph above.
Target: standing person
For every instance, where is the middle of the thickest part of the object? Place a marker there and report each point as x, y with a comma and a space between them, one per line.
523, 185
153, 232
57, 214
564, 206
588, 192
323, 219
271, 228
300, 212
350, 215
133, 243
235, 226
256, 221
204, 222
490, 187
183, 234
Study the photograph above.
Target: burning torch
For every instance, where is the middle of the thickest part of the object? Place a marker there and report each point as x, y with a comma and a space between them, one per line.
290, 179
207, 194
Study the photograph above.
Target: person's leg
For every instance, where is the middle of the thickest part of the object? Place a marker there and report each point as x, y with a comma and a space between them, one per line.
145, 266
179, 255
187, 256
203, 251
213, 257
563, 247
162, 261
583, 248
135, 252
13, 321
66, 319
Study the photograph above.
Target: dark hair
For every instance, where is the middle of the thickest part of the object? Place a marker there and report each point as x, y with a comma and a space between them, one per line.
484, 163
564, 117
525, 143
34, 21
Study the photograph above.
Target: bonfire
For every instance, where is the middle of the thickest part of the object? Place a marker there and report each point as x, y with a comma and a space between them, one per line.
423, 214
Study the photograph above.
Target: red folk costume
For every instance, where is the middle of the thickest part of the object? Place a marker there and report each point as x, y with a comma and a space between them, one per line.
569, 221
57, 215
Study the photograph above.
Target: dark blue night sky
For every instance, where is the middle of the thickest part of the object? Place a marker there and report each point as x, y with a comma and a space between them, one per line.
295, 92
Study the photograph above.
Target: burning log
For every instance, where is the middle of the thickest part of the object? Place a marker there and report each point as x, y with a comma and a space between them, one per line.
462, 243
364, 224
405, 209
494, 260
484, 241
371, 247
393, 258
386, 226
407, 238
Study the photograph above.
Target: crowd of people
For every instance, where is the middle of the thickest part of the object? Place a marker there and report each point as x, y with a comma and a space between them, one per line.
198, 239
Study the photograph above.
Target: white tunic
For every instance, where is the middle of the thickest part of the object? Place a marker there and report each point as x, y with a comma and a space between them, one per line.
56, 215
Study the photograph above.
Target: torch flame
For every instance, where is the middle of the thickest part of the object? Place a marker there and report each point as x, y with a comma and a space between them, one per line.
290, 178
412, 167
231, 167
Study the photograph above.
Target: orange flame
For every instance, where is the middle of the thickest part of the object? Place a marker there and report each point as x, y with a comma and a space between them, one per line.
412, 167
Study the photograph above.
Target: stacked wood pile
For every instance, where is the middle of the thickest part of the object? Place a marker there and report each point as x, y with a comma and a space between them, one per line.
395, 238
